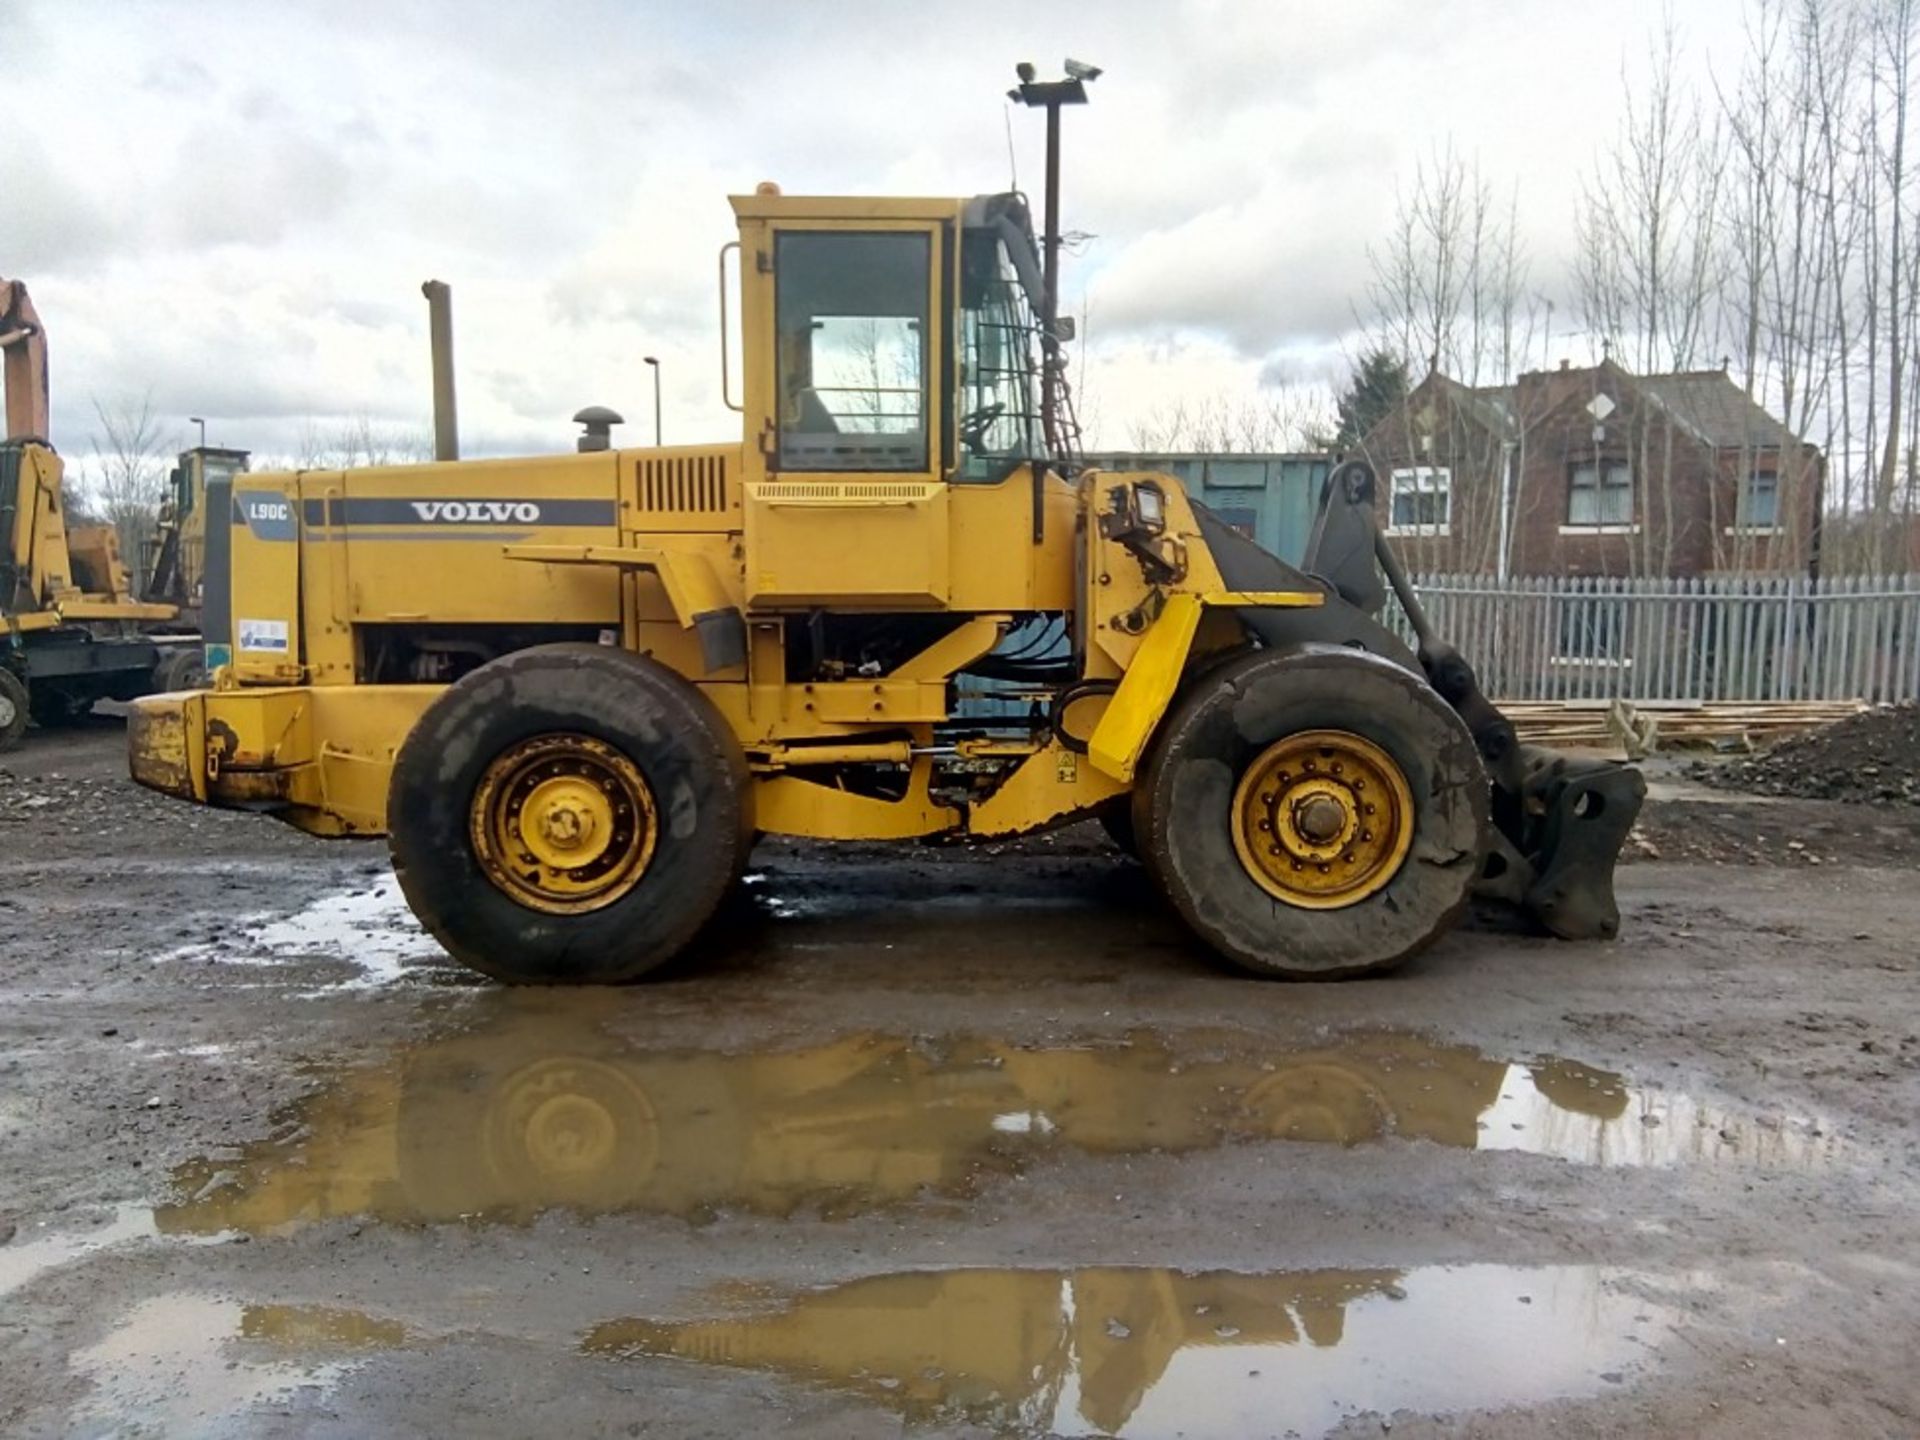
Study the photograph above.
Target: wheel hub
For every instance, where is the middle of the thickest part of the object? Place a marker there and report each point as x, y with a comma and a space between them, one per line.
1322, 819
563, 823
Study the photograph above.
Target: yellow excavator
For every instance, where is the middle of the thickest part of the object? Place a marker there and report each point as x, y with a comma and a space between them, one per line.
572, 690
71, 631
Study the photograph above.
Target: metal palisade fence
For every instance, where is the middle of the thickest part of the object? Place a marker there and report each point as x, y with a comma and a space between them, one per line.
1719, 638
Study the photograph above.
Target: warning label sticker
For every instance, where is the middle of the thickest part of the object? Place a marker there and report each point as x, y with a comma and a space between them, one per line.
269, 635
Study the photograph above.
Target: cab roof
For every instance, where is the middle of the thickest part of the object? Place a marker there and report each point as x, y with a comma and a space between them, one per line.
845, 207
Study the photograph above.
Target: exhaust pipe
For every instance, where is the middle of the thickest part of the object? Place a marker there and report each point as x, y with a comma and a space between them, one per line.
446, 422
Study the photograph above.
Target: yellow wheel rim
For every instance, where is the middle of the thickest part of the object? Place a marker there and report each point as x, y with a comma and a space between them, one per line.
1322, 819
563, 823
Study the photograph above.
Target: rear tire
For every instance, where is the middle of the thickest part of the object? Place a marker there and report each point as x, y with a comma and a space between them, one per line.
1236, 729
14, 708
180, 669
497, 794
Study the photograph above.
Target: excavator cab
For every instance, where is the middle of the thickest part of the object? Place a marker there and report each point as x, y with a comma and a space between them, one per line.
71, 630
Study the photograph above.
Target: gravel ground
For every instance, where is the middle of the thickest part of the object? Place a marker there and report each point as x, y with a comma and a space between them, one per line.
964, 1142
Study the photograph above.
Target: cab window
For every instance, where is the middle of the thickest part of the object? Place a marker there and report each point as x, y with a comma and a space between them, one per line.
999, 416
851, 312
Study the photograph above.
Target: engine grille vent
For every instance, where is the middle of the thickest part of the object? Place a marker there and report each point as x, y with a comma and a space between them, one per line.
847, 490
687, 484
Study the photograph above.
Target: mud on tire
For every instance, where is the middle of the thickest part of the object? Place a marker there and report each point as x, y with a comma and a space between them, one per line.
642, 715
1183, 803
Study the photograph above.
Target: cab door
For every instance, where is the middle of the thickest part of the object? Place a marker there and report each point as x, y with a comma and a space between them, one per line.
849, 371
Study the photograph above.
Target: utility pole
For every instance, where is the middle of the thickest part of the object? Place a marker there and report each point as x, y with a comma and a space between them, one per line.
655, 363
1050, 95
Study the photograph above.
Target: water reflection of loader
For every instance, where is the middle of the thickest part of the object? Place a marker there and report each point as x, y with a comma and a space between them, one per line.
544, 1109
1004, 1347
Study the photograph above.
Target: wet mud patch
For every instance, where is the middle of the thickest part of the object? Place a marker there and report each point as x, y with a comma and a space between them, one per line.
1142, 1352
367, 928
188, 1363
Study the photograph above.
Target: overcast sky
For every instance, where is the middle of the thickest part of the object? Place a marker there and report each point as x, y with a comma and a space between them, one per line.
232, 205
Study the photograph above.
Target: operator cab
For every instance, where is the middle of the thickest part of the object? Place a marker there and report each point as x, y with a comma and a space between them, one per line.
904, 336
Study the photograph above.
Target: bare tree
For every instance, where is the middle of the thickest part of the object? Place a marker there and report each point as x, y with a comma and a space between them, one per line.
1449, 285
1649, 263
360, 440
125, 478
1893, 283
1279, 419
1646, 223
1450, 297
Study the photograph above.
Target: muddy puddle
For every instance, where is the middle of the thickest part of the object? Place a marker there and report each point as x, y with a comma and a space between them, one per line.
1150, 1352
189, 1363
542, 1108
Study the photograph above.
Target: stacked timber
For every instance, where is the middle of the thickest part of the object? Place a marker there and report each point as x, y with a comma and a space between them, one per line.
1638, 728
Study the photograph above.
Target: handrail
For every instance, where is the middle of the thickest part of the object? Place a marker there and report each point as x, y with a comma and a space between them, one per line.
726, 395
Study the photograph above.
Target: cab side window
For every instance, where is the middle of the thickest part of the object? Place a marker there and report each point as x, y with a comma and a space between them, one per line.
852, 363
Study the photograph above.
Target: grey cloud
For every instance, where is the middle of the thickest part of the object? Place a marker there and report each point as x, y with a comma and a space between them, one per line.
1254, 279
49, 222
21, 35
246, 185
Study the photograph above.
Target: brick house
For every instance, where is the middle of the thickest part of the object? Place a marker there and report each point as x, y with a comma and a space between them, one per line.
1596, 472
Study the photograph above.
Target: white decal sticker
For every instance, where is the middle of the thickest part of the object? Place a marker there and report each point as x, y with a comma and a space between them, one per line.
477, 512
264, 635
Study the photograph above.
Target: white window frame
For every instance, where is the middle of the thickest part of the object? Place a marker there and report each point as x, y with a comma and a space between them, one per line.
1601, 525
1421, 480
1742, 525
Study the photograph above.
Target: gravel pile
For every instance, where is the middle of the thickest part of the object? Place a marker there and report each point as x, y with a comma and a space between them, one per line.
1872, 758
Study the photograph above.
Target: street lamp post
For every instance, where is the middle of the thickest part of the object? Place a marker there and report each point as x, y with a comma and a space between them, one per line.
655, 363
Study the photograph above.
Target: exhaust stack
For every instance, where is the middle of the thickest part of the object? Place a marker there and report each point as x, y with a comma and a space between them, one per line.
446, 421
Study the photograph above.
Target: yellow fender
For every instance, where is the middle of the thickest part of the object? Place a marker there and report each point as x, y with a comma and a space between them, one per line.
1135, 711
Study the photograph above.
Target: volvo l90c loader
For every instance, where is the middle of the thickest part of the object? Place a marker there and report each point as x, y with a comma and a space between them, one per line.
572, 690
71, 630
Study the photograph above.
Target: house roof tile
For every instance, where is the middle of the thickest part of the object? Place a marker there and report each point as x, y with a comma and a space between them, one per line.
1717, 410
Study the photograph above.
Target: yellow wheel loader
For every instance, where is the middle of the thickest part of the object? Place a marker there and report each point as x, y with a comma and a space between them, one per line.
572, 690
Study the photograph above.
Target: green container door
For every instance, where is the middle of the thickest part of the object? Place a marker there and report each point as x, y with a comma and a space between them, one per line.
1270, 498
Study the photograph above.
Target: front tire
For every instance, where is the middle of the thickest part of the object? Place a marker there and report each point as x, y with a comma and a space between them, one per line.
1314, 813
568, 815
